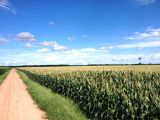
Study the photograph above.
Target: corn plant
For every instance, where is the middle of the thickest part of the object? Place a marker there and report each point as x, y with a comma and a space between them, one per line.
106, 94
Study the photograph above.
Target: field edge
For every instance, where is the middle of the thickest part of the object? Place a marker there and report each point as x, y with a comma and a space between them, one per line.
56, 107
4, 76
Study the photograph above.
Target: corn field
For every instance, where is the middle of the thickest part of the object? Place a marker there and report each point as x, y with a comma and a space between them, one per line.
105, 94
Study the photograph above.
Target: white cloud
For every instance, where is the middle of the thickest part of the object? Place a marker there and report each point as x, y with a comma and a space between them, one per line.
54, 45
88, 49
29, 45
101, 49
58, 47
25, 36
75, 56
78, 57
144, 2
47, 43
7, 6
148, 34
4, 4
150, 44
140, 45
105, 48
18, 61
3, 40
43, 50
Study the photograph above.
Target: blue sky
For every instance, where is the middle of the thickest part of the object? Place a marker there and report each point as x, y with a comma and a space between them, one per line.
79, 31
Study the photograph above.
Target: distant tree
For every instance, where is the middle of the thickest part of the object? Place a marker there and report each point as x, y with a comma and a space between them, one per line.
139, 59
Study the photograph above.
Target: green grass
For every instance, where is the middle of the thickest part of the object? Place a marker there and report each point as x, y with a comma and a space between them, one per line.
3, 76
56, 107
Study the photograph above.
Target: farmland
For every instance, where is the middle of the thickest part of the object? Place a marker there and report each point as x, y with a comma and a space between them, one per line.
105, 92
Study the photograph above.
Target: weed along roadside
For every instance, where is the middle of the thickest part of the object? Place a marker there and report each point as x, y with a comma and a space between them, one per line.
3, 73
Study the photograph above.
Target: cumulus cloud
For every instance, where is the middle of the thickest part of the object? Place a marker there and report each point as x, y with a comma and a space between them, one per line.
47, 43
88, 49
58, 47
149, 33
144, 2
77, 57
17, 61
43, 50
80, 57
54, 45
3, 40
25, 36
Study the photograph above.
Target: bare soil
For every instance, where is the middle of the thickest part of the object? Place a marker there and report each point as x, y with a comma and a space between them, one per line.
15, 101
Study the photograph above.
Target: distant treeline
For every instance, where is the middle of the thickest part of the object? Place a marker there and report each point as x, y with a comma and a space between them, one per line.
63, 65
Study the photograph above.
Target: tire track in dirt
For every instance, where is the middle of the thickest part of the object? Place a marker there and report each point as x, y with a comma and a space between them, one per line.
15, 101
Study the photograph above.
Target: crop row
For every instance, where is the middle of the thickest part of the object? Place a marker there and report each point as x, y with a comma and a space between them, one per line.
107, 94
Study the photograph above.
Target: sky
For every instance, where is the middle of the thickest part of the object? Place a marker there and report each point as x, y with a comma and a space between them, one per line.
79, 32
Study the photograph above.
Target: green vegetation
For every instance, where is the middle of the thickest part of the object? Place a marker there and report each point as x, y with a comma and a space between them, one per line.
107, 94
3, 70
55, 106
3, 74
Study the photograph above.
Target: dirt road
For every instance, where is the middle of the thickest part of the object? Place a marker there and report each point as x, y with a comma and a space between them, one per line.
15, 102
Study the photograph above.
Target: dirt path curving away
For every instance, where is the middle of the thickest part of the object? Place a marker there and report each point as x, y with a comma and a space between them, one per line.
15, 102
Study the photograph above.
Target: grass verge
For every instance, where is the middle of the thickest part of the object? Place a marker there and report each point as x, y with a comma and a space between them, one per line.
56, 107
3, 76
